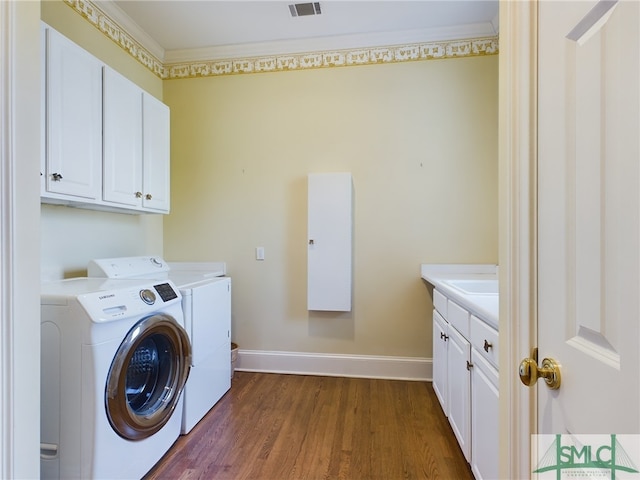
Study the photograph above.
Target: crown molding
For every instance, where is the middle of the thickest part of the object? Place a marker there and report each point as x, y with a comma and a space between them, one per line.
339, 42
495, 22
128, 25
322, 52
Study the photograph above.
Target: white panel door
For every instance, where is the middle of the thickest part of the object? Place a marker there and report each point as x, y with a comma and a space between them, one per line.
329, 260
156, 154
589, 215
122, 175
73, 112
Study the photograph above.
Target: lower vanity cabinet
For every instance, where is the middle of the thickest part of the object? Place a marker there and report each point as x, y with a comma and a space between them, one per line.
465, 380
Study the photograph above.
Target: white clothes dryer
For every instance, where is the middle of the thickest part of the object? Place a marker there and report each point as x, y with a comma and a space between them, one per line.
206, 303
114, 361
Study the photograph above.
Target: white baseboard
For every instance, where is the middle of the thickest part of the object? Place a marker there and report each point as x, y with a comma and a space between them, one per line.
363, 366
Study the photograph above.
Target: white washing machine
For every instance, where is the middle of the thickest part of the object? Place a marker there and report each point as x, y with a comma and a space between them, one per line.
206, 302
115, 359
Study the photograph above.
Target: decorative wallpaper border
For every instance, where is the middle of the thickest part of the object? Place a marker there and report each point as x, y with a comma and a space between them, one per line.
338, 58
115, 32
286, 62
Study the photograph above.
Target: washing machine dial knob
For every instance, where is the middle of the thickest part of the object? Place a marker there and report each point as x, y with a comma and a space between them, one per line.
148, 296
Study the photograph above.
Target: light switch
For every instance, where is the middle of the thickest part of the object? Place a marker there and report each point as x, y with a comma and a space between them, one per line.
259, 253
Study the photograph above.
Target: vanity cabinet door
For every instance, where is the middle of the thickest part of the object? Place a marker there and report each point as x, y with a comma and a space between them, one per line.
484, 418
459, 389
440, 370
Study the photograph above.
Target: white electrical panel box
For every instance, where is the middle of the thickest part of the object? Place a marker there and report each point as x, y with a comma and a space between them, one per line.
330, 242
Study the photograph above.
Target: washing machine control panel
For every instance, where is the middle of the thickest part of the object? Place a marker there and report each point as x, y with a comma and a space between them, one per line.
165, 291
108, 300
148, 296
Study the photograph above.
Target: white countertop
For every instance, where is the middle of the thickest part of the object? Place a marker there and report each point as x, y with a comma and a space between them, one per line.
483, 306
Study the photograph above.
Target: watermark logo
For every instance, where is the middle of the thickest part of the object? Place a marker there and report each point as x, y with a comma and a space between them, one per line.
611, 457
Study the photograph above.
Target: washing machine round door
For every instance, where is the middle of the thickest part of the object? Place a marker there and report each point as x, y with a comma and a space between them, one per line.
147, 376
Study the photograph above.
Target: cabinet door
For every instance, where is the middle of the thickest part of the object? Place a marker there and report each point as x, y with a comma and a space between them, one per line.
156, 154
484, 417
459, 354
73, 119
440, 371
122, 181
330, 242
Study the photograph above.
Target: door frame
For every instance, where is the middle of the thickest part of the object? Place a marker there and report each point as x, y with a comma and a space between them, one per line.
20, 108
518, 219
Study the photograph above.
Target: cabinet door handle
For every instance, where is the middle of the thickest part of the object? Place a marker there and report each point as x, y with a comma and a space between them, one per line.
444, 336
487, 346
138, 194
148, 196
56, 177
469, 365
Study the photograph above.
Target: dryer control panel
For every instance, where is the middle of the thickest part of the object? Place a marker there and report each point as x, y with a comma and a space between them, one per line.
126, 267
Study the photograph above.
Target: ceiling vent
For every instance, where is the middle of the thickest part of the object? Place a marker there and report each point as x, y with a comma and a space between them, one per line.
304, 9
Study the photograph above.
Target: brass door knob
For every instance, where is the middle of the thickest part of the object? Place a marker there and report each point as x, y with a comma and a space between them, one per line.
530, 372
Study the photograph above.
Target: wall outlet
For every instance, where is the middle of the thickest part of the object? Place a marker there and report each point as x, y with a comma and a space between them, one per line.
259, 253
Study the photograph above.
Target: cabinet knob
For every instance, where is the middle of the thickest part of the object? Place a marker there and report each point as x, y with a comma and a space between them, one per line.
487, 346
148, 196
138, 194
469, 365
311, 241
444, 336
56, 177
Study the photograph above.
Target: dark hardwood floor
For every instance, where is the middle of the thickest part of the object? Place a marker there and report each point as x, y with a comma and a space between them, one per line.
286, 427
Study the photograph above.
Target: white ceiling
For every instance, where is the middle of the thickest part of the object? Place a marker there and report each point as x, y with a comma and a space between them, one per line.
184, 29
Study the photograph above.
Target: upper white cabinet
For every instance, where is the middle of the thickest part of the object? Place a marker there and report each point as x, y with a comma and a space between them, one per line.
106, 140
329, 260
122, 140
155, 154
136, 146
72, 121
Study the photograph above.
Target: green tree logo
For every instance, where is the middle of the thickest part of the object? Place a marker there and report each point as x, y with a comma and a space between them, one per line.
585, 459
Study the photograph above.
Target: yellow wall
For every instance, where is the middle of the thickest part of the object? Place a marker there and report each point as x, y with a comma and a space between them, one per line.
71, 237
421, 142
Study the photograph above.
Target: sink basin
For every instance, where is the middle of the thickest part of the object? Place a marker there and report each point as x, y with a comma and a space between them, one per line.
475, 287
